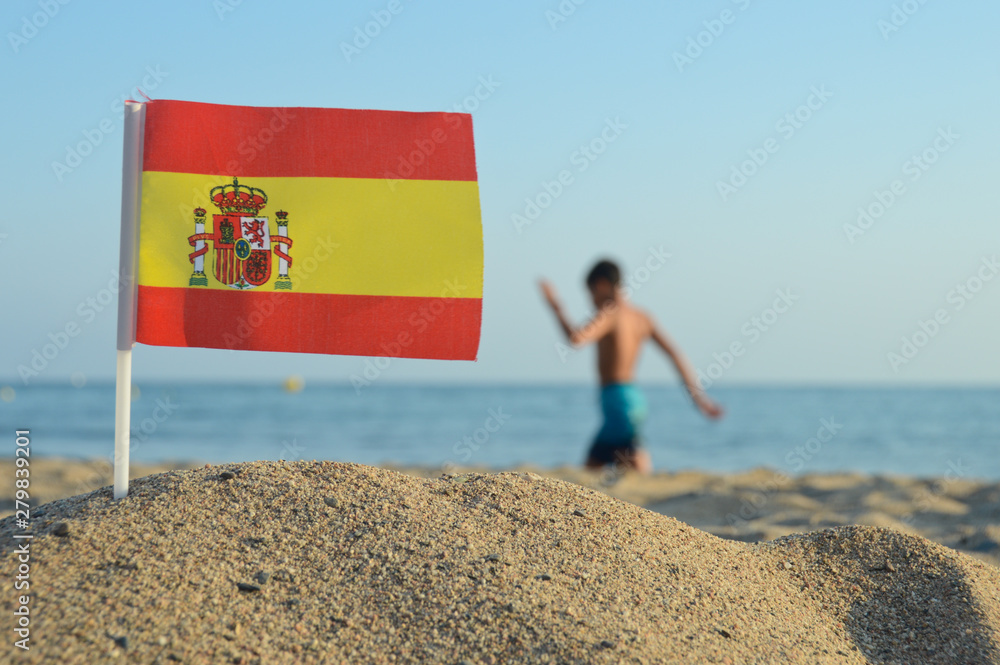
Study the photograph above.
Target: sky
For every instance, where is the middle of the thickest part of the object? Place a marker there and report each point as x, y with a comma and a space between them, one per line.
798, 192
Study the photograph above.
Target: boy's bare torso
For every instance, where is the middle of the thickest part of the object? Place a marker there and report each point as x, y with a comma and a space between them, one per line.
619, 348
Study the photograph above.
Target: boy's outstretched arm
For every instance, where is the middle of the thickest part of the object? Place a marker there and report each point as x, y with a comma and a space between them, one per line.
590, 332
549, 292
701, 400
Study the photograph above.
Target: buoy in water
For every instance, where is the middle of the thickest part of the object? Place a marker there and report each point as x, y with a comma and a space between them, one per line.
294, 384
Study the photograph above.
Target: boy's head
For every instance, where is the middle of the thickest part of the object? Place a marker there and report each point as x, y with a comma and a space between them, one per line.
602, 281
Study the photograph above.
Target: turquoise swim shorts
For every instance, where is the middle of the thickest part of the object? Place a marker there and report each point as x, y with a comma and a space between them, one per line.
625, 409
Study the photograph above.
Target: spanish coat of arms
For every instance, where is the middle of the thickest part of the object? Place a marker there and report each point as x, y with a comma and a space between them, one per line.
242, 240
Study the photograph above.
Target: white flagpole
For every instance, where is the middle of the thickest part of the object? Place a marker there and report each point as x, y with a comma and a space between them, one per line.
135, 117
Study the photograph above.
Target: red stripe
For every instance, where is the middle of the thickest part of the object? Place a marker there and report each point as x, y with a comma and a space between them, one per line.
250, 141
400, 326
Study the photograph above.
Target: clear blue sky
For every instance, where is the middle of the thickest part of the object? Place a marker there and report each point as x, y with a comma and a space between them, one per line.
885, 95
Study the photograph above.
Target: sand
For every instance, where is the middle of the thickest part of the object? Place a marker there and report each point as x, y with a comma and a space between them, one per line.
275, 562
763, 504
755, 505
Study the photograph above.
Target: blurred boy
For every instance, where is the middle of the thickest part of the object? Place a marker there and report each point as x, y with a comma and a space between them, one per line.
620, 330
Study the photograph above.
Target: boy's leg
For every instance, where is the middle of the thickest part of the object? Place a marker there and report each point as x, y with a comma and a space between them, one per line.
635, 458
641, 461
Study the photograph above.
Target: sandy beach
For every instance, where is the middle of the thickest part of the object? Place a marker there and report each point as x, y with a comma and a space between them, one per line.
321, 562
761, 504
755, 505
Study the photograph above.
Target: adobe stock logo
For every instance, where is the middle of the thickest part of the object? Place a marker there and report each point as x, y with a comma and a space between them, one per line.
419, 321
87, 312
753, 329
927, 329
656, 259
381, 19
913, 168
562, 12
471, 443
900, 16
582, 158
93, 138
714, 28
223, 7
31, 26
787, 127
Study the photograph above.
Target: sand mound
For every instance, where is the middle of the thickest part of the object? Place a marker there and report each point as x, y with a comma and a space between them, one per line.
325, 562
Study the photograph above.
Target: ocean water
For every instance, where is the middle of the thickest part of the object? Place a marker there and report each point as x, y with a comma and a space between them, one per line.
797, 429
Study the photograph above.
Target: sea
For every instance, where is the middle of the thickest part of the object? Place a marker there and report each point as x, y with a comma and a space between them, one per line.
917, 431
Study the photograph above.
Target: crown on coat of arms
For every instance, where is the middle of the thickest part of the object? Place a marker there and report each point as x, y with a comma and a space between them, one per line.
238, 199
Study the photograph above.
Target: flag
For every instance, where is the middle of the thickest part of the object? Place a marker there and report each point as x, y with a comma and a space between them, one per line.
309, 230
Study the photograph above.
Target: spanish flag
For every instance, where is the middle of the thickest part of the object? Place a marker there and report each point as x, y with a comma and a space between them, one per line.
309, 230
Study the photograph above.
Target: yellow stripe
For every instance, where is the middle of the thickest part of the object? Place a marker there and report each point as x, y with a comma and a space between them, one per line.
404, 238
